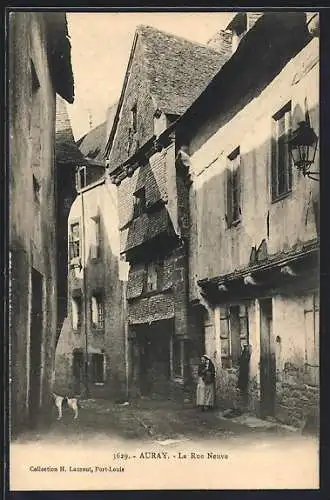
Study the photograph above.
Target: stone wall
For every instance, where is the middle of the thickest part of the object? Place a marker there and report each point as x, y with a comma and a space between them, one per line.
32, 224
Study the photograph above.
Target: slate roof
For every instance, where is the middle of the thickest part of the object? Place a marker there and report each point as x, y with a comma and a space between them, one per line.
92, 145
65, 147
178, 69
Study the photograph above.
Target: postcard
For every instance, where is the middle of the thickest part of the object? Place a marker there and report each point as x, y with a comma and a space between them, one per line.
163, 180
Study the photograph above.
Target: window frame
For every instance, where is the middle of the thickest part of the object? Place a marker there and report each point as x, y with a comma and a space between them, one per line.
72, 241
81, 169
36, 191
139, 202
233, 192
78, 301
98, 296
277, 168
134, 118
95, 244
94, 356
227, 317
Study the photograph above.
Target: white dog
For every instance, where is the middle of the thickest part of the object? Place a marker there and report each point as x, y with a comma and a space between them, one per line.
65, 402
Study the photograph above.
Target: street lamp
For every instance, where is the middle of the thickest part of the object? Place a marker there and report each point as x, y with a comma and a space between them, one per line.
302, 147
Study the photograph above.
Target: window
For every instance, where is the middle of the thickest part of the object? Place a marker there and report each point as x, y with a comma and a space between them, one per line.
98, 368
76, 313
154, 276
311, 316
151, 277
134, 119
139, 202
81, 178
97, 306
281, 167
233, 214
74, 240
95, 238
36, 191
233, 333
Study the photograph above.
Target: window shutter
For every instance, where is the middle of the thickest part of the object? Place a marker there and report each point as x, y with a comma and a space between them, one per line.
273, 165
229, 183
71, 255
288, 131
224, 333
239, 180
75, 313
94, 311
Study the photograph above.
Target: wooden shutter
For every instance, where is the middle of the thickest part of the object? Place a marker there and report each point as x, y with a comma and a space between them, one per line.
273, 165
244, 325
229, 197
288, 131
94, 308
75, 314
225, 337
239, 180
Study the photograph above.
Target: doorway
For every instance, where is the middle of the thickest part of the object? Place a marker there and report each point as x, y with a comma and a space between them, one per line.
154, 356
267, 359
77, 371
35, 346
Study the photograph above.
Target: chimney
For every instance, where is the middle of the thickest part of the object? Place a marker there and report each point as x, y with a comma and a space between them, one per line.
222, 43
252, 18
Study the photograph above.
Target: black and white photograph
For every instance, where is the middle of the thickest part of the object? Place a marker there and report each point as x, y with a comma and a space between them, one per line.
164, 283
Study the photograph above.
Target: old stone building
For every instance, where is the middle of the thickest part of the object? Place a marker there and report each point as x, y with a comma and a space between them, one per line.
39, 67
254, 237
90, 355
68, 158
165, 74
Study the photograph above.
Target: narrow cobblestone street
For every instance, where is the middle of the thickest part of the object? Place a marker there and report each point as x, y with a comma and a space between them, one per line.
138, 437
145, 419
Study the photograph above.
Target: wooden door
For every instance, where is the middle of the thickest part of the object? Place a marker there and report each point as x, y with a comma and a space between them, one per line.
267, 360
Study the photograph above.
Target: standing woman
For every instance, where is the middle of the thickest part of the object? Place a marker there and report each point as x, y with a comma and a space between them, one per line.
205, 391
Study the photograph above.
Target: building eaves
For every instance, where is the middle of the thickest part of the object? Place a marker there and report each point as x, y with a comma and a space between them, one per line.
59, 54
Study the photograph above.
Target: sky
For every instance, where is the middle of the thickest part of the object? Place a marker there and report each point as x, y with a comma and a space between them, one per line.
100, 48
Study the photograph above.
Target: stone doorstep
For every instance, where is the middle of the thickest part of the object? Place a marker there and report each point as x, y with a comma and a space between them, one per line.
256, 423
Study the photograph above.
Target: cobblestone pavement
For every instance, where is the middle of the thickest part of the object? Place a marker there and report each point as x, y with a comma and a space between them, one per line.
149, 420
191, 449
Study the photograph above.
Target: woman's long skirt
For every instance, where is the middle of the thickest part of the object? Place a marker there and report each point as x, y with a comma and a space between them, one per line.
204, 393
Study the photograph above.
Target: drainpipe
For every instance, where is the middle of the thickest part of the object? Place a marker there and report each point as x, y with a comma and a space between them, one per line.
85, 294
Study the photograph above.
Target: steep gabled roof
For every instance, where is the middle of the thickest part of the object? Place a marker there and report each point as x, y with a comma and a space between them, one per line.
177, 69
65, 147
92, 145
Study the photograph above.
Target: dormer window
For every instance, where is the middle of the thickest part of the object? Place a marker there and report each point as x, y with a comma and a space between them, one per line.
139, 202
81, 178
